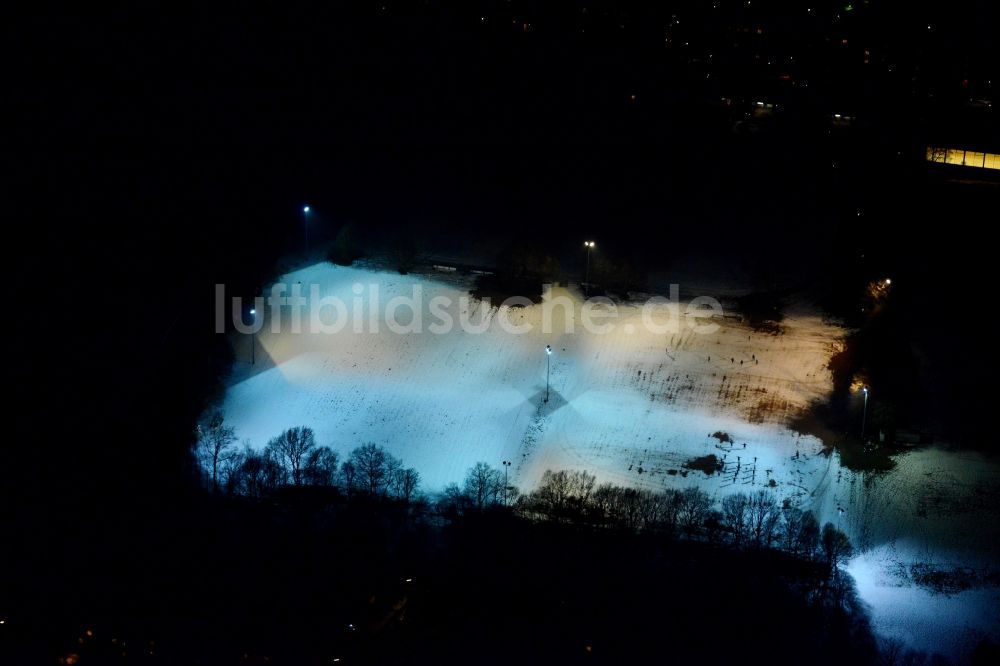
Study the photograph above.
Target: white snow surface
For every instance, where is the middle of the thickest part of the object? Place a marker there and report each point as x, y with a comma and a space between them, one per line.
629, 406
619, 402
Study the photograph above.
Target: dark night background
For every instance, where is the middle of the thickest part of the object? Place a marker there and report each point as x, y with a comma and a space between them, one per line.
153, 150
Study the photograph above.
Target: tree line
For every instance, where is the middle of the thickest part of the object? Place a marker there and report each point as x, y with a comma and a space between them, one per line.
294, 458
742, 520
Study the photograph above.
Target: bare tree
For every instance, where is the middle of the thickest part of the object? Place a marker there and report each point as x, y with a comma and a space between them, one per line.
373, 465
649, 509
258, 474
735, 509
791, 525
625, 508
807, 541
320, 467
630, 503
670, 504
604, 503
762, 517
483, 485
563, 492
836, 546
350, 477
229, 473
693, 509
393, 467
633, 509
453, 502
404, 483
581, 486
216, 443
552, 494
291, 447
642, 508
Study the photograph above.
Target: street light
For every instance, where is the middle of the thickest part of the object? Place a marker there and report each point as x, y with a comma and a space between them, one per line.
253, 336
590, 246
864, 415
506, 464
305, 226
548, 367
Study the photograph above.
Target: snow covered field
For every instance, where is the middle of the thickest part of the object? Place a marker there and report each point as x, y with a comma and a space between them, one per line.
630, 405
937, 510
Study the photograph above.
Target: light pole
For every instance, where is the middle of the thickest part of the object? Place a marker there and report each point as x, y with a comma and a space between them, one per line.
590, 246
305, 226
548, 367
506, 464
253, 336
864, 415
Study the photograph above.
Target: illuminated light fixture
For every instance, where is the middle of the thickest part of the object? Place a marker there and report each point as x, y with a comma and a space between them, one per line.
864, 414
586, 282
548, 366
305, 227
253, 338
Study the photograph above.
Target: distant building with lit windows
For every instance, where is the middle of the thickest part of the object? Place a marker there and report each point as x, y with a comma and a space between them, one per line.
963, 157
